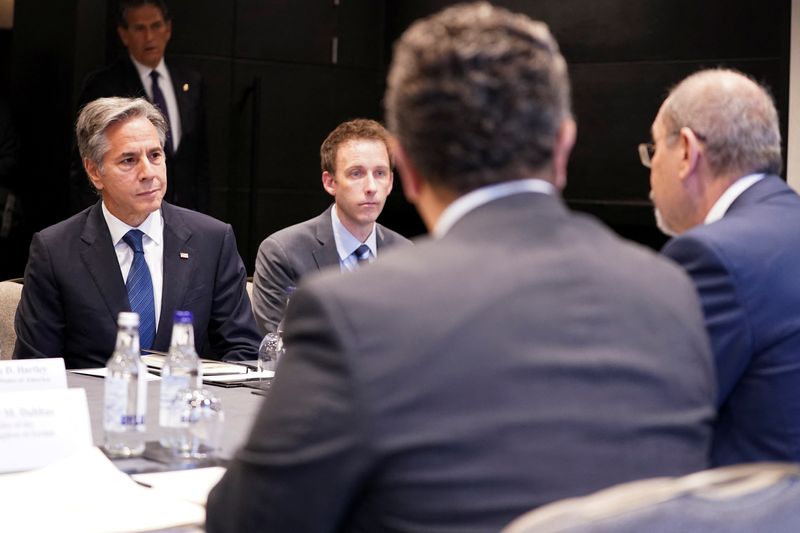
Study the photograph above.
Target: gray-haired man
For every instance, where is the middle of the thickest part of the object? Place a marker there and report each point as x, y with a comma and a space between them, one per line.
715, 161
80, 270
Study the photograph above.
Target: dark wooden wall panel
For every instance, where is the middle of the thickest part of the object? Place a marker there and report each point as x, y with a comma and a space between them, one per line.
360, 32
287, 30
623, 58
614, 105
202, 27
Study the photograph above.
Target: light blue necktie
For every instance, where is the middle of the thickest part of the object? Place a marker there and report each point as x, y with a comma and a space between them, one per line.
140, 290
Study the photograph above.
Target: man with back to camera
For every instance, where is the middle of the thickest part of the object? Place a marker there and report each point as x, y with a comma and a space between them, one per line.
131, 252
715, 161
145, 28
356, 166
521, 355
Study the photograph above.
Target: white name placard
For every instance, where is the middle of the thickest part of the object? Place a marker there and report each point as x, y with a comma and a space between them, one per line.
40, 427
32, 374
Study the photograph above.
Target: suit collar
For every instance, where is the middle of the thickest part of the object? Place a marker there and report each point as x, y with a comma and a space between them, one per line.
526, 212
101, 262
324, 252
769, 186
131, 77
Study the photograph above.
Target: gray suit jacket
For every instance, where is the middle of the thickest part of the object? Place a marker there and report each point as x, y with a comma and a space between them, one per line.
527, 356
289, 254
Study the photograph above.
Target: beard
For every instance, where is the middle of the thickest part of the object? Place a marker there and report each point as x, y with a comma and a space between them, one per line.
663, 225
661, 222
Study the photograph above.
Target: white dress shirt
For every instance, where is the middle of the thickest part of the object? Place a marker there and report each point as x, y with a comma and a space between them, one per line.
153, 244
730, 195
346, 244
165, 84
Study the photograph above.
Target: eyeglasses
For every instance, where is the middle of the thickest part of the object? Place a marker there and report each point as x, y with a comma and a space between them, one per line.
646, 153
648, 150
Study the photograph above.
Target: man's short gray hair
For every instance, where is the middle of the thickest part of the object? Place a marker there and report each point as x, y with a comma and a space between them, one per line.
96, 117
735, 118
476, 95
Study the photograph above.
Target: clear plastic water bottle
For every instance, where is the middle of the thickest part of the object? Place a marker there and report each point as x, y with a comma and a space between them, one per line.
181, 371
125, 392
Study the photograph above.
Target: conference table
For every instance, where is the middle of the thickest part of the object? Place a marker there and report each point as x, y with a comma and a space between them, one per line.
240, 405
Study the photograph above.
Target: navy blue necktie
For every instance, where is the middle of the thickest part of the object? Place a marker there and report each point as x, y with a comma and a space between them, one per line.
140, 290
161, 103
362, 254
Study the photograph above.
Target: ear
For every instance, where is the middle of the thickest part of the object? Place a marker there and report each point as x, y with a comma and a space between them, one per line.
391, 182
94, 173
409, 176
329, 183
565, 140
123, 35
692, 150
168, 27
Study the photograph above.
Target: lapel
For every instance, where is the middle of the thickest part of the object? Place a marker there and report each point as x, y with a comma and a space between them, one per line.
100, 260
325, 253
184, 98
379, 236
178, 270
131, 79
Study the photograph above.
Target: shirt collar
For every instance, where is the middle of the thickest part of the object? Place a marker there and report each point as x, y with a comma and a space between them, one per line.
346, 243
152, 226
474, 199
730, 195
144, 71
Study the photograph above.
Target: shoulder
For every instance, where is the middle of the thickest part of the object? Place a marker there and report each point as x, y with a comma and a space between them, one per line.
111, 74
182, 72
391, 237
298, 234
69, 228
177, 217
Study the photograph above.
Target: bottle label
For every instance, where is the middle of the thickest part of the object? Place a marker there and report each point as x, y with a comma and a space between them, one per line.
124, 405
169, 413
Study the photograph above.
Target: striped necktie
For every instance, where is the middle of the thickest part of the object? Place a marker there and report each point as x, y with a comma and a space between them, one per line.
140, 290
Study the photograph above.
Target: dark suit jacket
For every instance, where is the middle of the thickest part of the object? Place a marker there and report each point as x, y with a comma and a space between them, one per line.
291, 253
187, 169
745, 267
527, 356
74, 290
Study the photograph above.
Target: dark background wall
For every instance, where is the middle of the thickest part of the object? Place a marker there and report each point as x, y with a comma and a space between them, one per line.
282, 73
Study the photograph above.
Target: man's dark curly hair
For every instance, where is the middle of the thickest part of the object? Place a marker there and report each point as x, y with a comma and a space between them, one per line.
476, 95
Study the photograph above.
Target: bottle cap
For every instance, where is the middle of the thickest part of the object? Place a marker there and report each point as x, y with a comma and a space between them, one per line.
182, 317
128, 319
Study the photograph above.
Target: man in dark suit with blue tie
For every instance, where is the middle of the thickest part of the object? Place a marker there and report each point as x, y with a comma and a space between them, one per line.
715, 162
131, 251
145, 28
520, 355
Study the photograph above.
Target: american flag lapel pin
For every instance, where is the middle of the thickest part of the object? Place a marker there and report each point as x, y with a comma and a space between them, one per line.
184, 255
